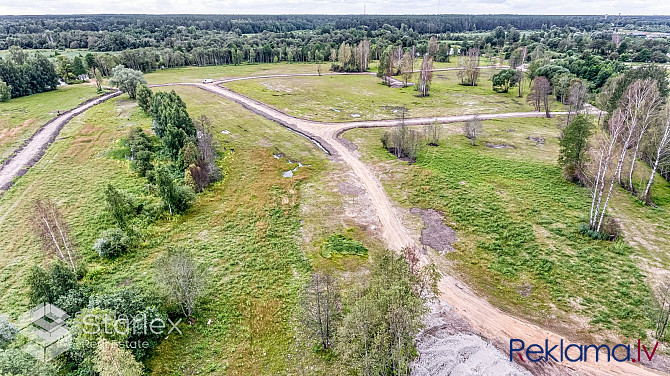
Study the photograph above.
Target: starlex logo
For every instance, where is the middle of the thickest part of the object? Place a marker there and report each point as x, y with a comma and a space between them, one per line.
48, 335
578, 353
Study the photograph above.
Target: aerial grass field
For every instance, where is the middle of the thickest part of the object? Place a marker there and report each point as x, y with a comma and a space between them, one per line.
197, 74
363, 97
21, 117
517, 221
51, 54
246, 229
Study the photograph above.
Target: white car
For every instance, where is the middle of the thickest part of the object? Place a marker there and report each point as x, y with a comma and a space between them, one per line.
207, 81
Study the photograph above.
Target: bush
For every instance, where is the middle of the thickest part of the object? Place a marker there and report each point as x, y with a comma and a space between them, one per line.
112, 243
19, 363
5, 92
338, 243
74, 300
47, 285
610, 230
135, 306
7, 332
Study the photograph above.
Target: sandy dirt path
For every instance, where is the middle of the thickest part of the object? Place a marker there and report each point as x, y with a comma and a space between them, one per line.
34, 147
489, 321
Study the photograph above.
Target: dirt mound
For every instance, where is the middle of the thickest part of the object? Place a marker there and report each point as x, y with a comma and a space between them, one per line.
448, 346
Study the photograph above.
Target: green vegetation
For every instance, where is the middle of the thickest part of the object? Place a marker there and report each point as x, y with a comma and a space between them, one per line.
21, 117
341, 245
347, 98
248, 241
518, 222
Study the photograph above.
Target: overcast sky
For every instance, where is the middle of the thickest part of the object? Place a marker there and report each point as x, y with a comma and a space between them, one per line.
626, 7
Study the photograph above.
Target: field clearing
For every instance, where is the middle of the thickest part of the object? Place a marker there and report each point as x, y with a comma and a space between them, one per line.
21, 117
246, 229
362, 97
517, 223
219, 72
51, 54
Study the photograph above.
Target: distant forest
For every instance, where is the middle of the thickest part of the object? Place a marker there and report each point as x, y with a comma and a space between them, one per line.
106, 33
591, 48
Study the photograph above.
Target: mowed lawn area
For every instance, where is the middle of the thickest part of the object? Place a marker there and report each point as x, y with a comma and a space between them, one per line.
517, 221
245, 229
21, 117
364, 97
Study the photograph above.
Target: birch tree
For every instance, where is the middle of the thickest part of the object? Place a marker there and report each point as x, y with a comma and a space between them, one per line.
661, 142
640, 105
472, 129
181, 278
425, 75
433, 47
54, 232
576, 99
468, 65
321, 308
603, 176
539, 94
406, 67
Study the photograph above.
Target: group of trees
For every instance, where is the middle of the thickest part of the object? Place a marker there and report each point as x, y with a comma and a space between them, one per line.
402, 141
637, 127
351, 58
22, 74
468, 65
178, 276
373, 330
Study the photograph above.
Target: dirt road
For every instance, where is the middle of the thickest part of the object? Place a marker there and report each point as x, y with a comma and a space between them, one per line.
488, 321
33, 149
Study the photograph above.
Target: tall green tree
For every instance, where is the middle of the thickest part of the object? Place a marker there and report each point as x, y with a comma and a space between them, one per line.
126, 80
383, 317
144, 95
574, 146
5, 92
78, 67
176, 197
172, 123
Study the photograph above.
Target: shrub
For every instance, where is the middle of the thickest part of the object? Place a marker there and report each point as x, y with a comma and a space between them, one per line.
5, 92
139, 308
7, 332
177, 198
47, 285
610, 230
120, 205
338, 243
19, 363
74, 300
112, 243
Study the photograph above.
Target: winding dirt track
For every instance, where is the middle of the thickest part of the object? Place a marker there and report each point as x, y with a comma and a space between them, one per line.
33, 149
491, 323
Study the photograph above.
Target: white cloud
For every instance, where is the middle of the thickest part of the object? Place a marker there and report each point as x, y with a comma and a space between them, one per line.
637, 7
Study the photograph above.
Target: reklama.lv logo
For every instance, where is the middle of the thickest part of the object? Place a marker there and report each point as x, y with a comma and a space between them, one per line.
577, 353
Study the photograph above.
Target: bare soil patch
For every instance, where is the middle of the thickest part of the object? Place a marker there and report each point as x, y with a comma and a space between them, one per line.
435, 233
